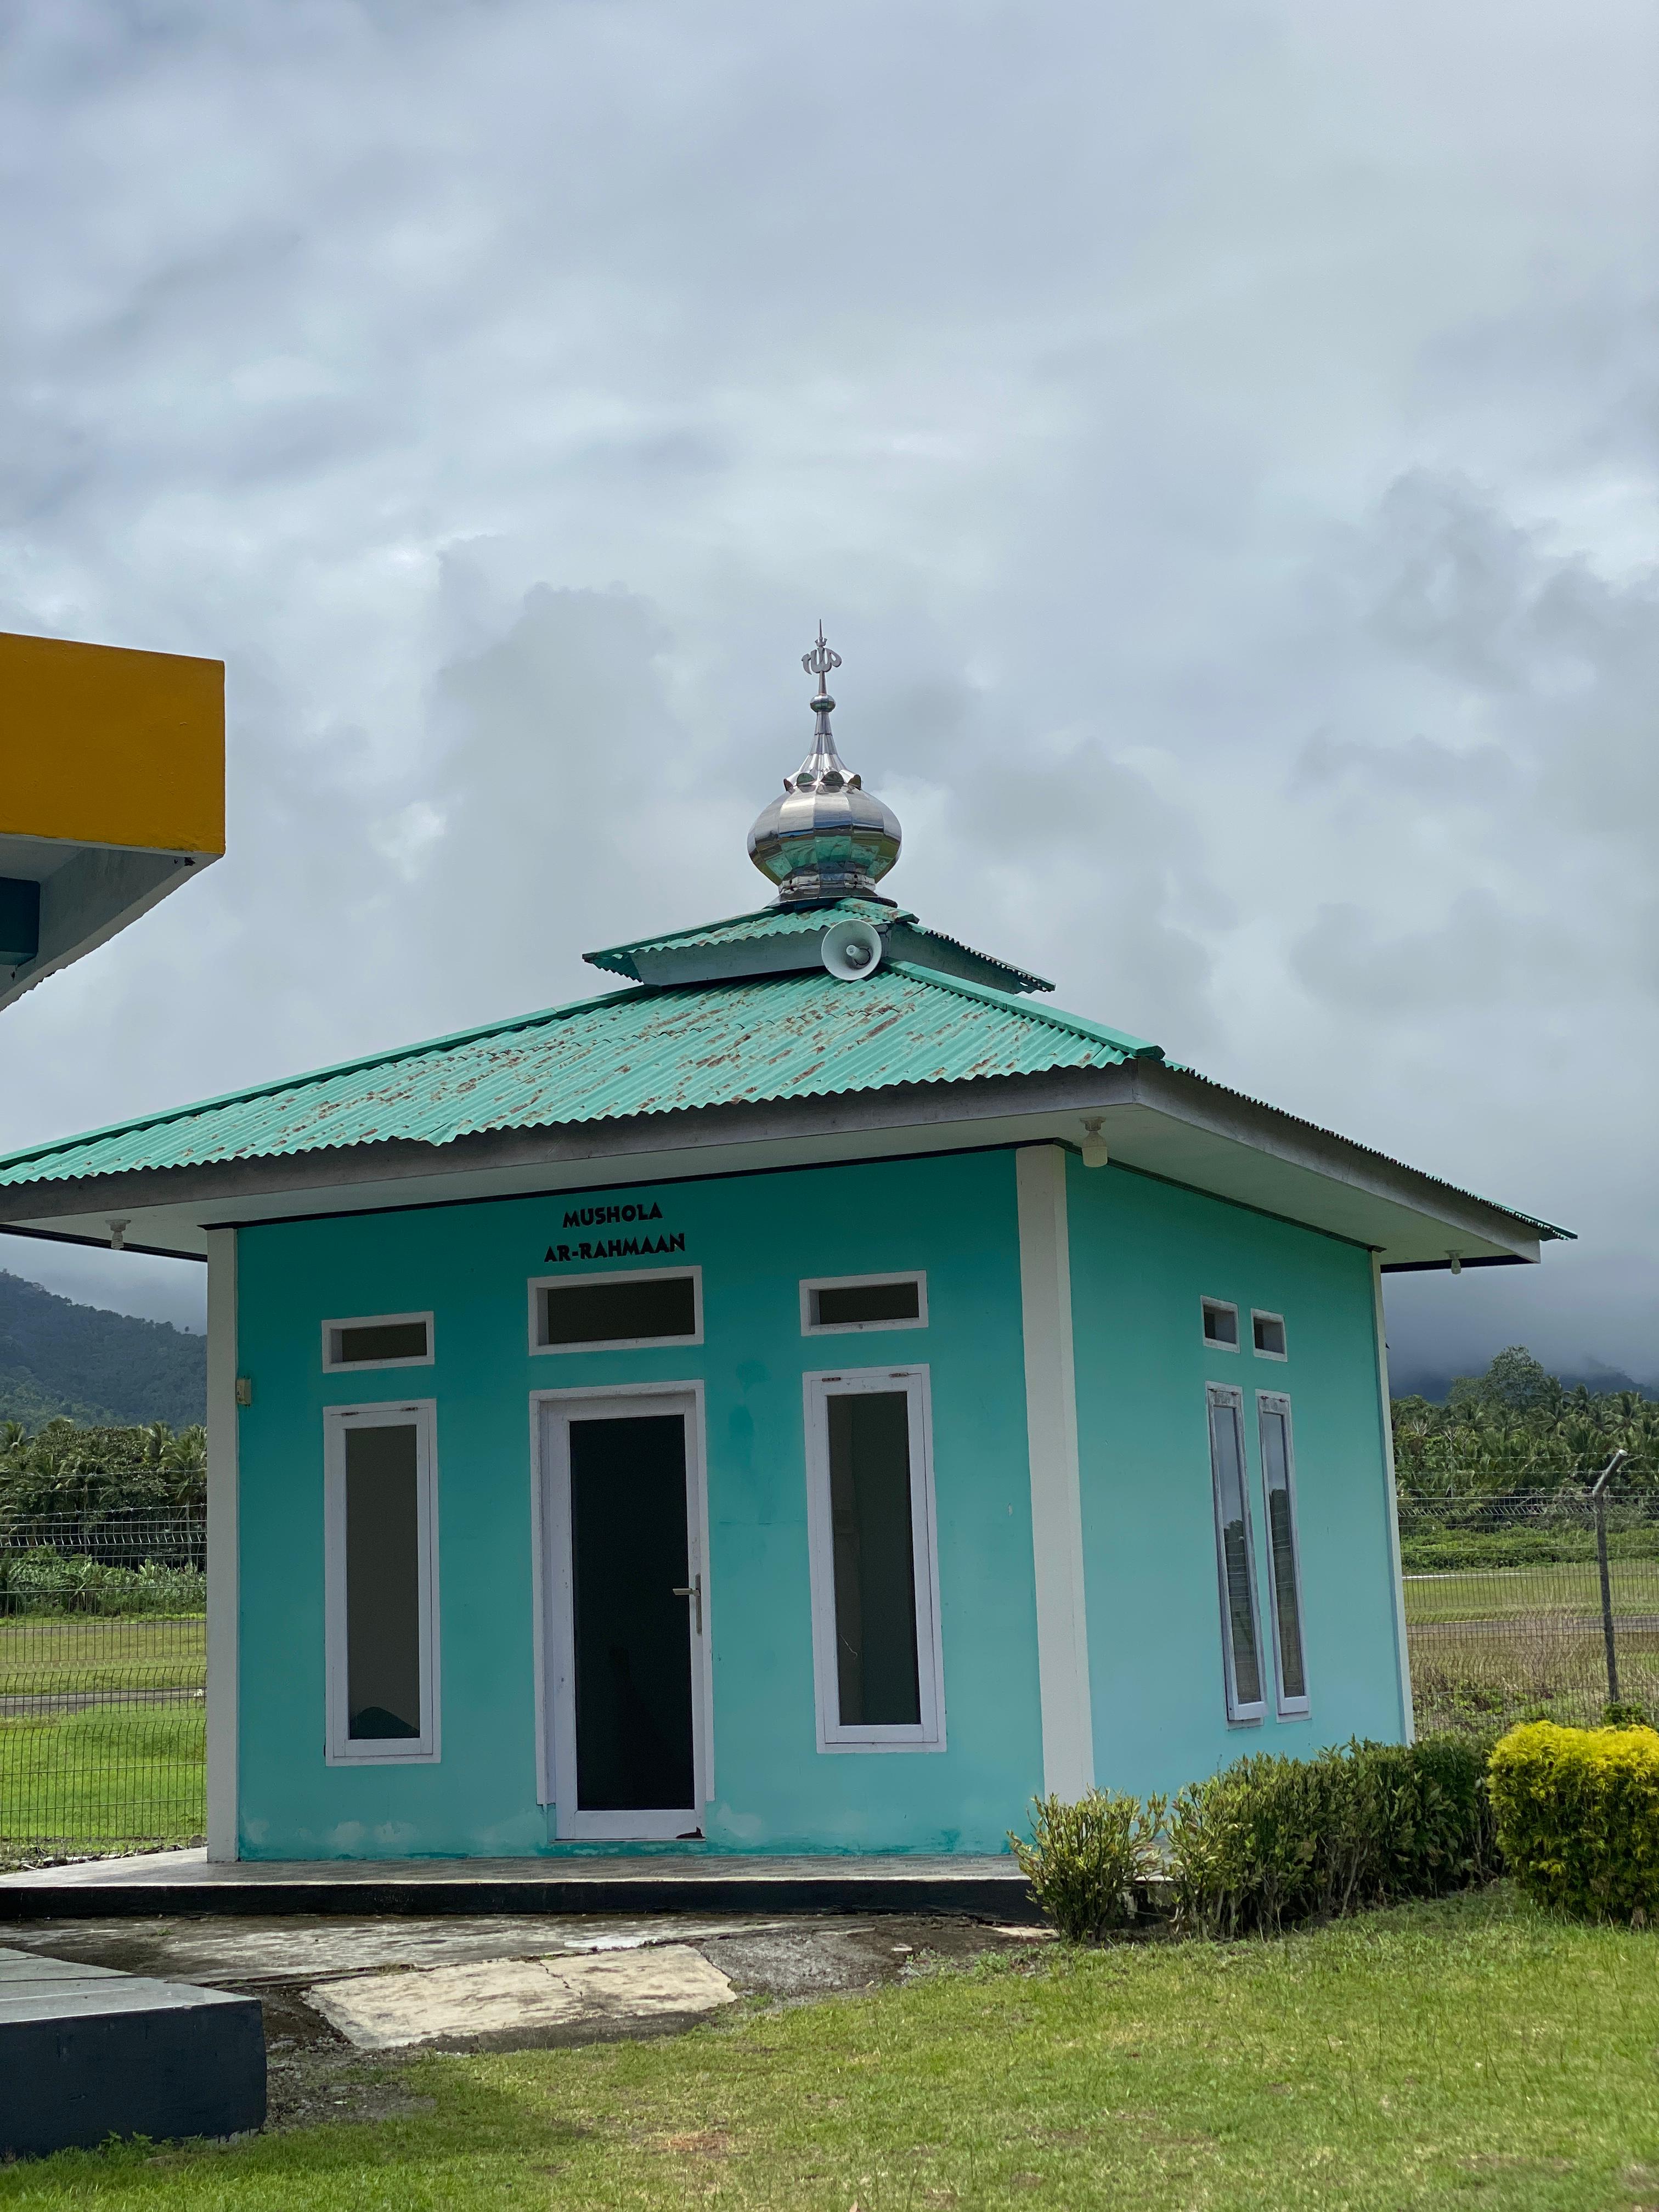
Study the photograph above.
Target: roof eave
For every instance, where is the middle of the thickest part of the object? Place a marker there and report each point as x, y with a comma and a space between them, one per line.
1157, 1120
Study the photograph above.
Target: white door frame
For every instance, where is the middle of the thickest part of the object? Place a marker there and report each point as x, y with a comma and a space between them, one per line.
550, 1413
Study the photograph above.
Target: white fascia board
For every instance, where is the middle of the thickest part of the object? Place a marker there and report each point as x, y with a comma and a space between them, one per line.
1154, 1119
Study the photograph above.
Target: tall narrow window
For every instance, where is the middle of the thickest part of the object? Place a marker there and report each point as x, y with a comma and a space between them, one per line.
1279, 1480
382, 1672
1240, 1643
875, 1596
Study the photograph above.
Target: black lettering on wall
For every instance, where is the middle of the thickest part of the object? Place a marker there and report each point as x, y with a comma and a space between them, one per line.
597, 1217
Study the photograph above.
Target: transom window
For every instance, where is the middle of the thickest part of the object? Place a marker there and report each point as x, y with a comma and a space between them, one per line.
616, 1312
1268, 1332
832, 1304
1220, 1323
378, 1341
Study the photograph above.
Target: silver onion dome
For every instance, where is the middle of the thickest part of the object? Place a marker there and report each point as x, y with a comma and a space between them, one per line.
826, 837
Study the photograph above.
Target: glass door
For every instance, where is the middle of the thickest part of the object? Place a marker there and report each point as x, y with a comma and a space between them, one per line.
625, 1580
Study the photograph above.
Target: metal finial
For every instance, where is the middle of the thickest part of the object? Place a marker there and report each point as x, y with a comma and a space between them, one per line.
818, 662
826, 837
821, 659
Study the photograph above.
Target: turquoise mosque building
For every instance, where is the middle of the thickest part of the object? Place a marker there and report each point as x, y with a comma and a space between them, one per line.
811, 1397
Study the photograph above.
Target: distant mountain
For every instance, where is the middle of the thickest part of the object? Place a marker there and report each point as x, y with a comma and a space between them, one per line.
56, 1357
1406, 1381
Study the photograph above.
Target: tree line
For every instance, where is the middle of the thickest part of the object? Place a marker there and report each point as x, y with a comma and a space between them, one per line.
1516, 1427
75, 1468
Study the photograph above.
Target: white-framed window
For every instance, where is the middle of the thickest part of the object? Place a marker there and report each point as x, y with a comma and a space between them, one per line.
1267, 1334
1284, 1556
834, 1305
380, 1562
614, 1312
1234, 1554
1220, 1324
378, 1341
878, 1663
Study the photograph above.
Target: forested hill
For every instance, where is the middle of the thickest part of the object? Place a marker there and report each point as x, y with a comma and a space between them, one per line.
59, 1358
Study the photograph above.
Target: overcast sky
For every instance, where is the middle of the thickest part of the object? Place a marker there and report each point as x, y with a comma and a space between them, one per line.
1221, 440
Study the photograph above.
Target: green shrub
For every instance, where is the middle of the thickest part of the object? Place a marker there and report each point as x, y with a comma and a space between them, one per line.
1622, 1714
1427, 1550
1577, 1817
44, 1581
1085, 1861
1272, 1840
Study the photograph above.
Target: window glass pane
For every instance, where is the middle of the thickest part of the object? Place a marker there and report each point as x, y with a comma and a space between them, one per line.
1281, 1538
874, 1559
1238, 1601
383, 1339
383, 1582
1269, 1333
865, 1302
1220, 1324
604, 1313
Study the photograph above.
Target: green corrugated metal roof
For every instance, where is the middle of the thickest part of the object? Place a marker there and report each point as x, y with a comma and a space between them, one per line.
776, 922
799, 1034
738, 928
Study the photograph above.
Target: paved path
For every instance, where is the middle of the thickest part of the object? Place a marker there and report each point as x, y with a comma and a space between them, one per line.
85, 1701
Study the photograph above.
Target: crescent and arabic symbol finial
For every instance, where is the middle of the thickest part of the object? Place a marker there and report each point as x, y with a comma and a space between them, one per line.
821, 659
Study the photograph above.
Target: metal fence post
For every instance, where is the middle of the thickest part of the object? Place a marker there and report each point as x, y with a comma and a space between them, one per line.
1599, 1498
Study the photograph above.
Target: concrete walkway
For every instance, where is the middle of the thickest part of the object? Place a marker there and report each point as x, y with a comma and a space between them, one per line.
338, 1991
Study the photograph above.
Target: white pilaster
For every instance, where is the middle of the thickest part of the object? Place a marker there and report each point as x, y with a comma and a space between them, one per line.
1045, 1283
1385, 1405
224, 1621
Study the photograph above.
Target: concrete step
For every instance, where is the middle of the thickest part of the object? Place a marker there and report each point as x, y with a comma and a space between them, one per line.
86, 2052
184, 1882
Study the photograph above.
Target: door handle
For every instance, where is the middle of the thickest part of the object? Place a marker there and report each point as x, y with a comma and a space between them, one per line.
693, 1590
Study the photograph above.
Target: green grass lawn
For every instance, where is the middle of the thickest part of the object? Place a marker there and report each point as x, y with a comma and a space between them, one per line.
1470, 2053
46, 1655
103, 1780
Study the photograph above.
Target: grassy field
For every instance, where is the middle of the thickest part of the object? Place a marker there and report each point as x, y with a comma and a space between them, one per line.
1467, 2053
1490, 1643
102, 1780
43, 1656
1571, 1588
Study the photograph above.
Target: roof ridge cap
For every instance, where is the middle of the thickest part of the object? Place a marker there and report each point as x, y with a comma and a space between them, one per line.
1027, 976
750, 913
1132, 1048
448, 1042
602, 952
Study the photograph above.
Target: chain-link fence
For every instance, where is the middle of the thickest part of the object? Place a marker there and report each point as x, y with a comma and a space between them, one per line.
1515, 1604
103, 1671
1531, 1604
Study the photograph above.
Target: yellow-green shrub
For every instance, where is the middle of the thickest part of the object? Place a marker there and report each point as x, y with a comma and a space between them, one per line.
1085, 1861
1577, 1817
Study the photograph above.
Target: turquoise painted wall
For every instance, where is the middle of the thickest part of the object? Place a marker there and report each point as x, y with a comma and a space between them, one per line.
1144, 1254
755, 1237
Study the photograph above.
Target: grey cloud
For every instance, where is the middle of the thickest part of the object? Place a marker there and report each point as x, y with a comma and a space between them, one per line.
1482, 954
1216, 441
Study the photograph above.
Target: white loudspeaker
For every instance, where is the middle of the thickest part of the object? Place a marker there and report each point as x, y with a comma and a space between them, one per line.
850, 949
